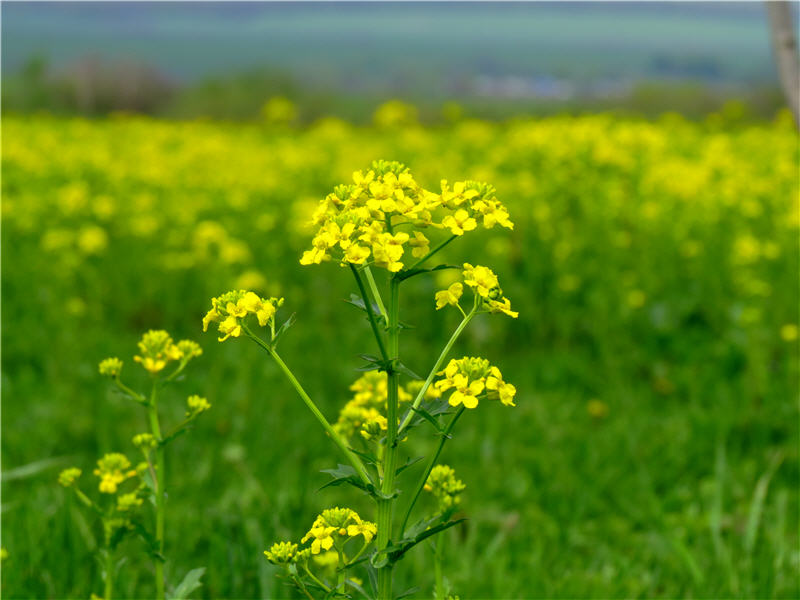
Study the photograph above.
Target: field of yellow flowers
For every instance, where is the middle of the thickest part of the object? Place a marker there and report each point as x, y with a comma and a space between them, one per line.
654, 448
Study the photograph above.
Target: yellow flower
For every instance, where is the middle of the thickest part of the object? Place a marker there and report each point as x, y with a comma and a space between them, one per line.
112, 470
466, 391
157, 349
469, 377
442, 483
111, 367
365, 528
481, 279
449, 296
339, 522
127, 502
231, 307
281, 553
505, 392
789, 332
420, 245
459, 222
68, 477
229, 328
145, 441
196, 405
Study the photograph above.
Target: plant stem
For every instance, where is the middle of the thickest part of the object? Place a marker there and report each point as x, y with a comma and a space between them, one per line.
374, 289
444, 436
438, 592
354, 460
386, 505
368, 308
155, 429
109, 582
421, 394
342, 574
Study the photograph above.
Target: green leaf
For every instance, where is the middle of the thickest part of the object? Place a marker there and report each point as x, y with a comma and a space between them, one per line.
403, 275
33, 469
150, 542
409, 462
283, 328
407, 593
345, 474
401, 368
399, 549
190, 583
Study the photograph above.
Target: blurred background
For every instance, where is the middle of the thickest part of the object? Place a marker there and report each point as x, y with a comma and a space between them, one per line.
496, 59
155, 155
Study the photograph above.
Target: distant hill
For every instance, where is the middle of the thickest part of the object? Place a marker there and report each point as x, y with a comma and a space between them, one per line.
490, 48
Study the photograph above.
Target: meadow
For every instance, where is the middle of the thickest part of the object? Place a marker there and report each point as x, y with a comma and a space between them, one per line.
653, 451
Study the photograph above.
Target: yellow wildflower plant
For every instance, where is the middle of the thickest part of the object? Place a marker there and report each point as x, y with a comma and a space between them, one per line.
469, 378
113, 469
230, 308
442, 483
358, 222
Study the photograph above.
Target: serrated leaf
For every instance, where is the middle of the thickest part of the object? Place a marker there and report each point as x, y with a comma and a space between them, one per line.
406, 544
189, 583
343, 474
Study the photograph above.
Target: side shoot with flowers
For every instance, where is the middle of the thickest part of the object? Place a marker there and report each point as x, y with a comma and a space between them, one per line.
383, 220
124, 488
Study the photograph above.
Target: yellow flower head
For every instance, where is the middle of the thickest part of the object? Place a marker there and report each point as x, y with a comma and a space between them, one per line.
68, 477
110, 367
126, 502
196, 405
442, 483
230, 308
470, 378
156, 350
112, 470
449, 296
358, 222
336, 525
145, 441
281, 553
484, 283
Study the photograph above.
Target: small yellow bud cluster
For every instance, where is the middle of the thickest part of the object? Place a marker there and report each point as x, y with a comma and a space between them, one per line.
145, 441
231, 307
365, 413
69, 476
357, 220
337, 525
195, 405
281, 553
484, 284
126, 502
469, 378
111, 367
112, 470
442, 483
157, 350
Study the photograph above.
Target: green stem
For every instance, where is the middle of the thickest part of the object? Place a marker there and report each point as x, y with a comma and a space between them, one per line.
438, 593
386, 504
444, 436
109, 582
432, 252
368, 308
375, 293
342, 574
155, 429
351, 457
315, 578
421, 394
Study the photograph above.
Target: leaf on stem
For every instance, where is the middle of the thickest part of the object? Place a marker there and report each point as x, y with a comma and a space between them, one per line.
403, 275
409, 462
189, 583
283, 328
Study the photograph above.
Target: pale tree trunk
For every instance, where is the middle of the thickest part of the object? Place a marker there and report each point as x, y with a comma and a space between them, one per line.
784, 46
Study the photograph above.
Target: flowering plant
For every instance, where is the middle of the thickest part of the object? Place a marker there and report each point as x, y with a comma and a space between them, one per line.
385, 220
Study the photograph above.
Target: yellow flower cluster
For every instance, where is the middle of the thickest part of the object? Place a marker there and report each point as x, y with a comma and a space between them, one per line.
195, 405
281, 553
359, 220
145, 441
486, 287
112, 470
365, 413
111, 367
336, 526
470, 378
157, 350
69, 476
126, 502
442, 483
231, 307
